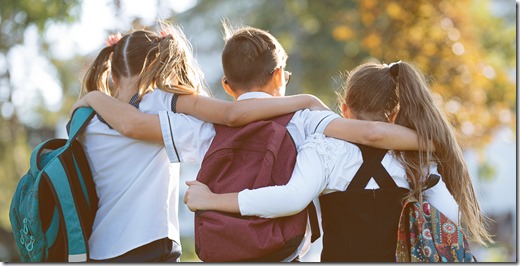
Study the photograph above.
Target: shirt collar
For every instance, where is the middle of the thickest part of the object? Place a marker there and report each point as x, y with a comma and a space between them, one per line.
254, 94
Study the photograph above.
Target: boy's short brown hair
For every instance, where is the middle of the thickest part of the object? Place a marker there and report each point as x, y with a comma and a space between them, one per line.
249, 57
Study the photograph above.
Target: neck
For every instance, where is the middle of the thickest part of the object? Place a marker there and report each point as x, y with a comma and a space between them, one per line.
127, 88
266, 89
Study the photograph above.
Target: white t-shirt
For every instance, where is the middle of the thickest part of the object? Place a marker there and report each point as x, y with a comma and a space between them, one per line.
325, 165
187, 139
136, 184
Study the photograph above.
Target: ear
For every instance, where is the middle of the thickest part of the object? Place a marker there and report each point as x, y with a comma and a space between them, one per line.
277, 77
345, 111
226, 87
393, 116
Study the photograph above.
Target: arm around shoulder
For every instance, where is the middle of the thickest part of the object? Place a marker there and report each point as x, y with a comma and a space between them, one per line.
125, 118
374, 133
242, 112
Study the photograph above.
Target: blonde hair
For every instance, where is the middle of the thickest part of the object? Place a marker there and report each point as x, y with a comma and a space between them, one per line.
374, 91
163, 61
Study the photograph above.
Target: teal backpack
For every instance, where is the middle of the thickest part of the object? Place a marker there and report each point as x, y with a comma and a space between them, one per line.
54, 205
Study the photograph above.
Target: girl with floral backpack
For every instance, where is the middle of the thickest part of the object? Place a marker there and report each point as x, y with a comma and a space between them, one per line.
361, 189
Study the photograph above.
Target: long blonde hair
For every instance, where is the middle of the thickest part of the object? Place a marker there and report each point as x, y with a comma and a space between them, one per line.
163, 61
376, 91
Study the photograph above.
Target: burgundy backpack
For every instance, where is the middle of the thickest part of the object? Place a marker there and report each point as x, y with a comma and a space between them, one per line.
257, 155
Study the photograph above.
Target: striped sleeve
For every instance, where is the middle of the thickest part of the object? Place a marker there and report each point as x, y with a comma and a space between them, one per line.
168, 138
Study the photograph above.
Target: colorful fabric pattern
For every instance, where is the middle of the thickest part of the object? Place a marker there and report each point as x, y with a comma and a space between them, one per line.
429, 236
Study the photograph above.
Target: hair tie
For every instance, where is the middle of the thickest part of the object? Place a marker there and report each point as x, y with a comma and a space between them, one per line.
165, 34
113, 39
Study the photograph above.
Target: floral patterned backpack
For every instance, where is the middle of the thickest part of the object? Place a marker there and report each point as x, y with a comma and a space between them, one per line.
429, 236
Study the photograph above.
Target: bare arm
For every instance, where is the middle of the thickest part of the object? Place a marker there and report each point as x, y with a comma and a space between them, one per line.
123, 117
242, 112
373, 133
134, 124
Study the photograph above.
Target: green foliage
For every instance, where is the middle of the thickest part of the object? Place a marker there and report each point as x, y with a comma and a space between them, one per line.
468, 56
15, 18
188, 250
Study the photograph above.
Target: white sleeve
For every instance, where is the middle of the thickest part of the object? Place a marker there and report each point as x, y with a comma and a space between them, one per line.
440, 197
306, 122
186, 138
307, 182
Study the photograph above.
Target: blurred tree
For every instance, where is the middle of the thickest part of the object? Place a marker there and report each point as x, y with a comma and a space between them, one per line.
469, 62
16, 16
469, 55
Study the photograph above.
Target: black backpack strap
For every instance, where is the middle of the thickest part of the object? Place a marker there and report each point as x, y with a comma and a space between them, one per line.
432, 180
371, 168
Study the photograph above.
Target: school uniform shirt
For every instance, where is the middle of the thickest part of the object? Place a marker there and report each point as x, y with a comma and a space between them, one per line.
325, 165
187, 139
137, 186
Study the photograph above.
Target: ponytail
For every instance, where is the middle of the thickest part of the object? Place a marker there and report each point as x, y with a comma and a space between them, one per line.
96, 77
170, 65
417, 111
159, 61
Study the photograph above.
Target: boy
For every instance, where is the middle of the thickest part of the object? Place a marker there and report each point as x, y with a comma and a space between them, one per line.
254, 67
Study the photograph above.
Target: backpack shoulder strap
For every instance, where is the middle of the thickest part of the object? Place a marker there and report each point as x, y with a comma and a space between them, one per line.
432, 180
80, 119
371, 168
77, 244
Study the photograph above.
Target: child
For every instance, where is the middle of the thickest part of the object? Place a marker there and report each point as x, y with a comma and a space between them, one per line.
138, 192
253, 62
361, 189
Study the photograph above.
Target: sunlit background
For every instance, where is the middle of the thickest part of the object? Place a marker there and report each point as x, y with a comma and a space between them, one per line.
467, 48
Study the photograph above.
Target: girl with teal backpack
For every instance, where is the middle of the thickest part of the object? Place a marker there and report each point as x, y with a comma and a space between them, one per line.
135, 219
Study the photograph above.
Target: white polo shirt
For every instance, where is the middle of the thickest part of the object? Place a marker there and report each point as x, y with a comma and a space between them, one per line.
325, 165
187, 139
137, 186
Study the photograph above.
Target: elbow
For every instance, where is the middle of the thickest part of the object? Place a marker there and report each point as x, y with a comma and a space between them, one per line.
129, 130
234, 120
294, 207
375, 134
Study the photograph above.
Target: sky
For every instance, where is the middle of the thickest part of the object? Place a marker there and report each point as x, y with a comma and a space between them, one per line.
29, 67
98, 15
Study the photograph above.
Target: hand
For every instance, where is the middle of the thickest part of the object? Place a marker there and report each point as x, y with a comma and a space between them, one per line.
198, 196
316, 103
82, 102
